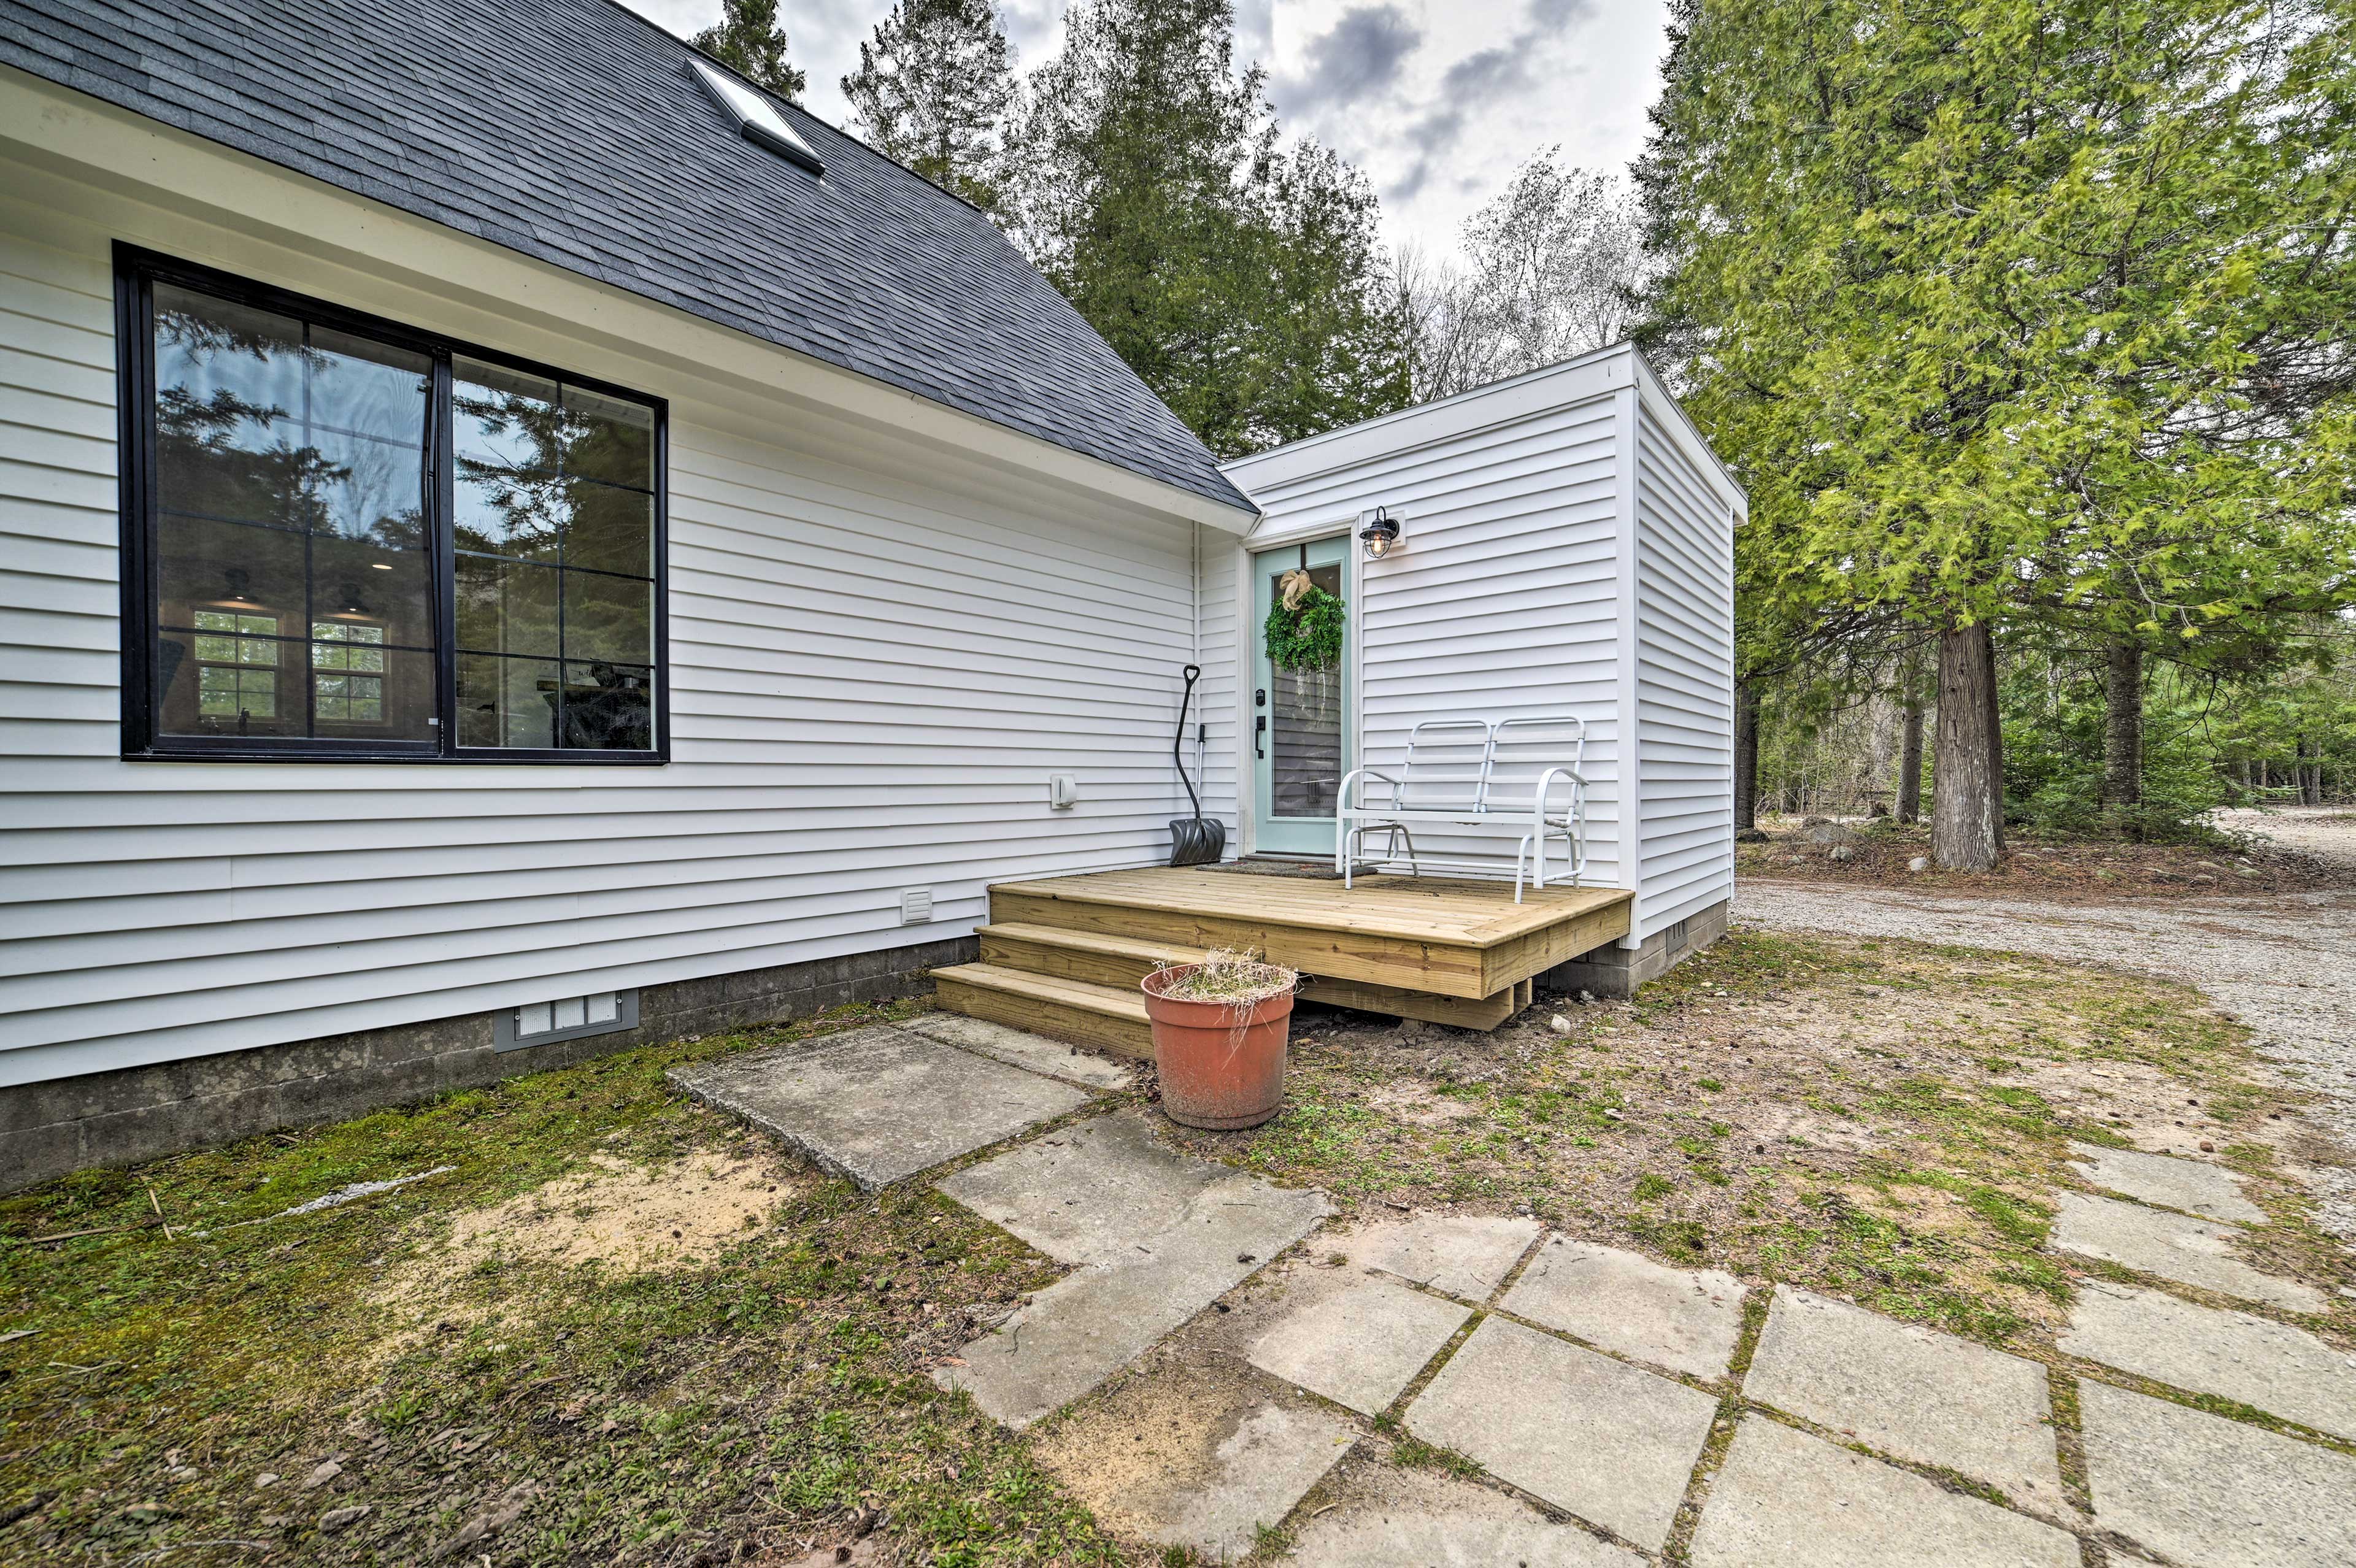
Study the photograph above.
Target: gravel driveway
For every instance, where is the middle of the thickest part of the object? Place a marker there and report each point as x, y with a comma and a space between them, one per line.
2285, 966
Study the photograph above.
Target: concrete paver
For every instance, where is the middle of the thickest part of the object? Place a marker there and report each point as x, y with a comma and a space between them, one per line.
2190, 1252
2280, 1370
1361, 1346
1590, 1435
1186, 1457
2199, 1489
1685, 1319
1465, 1257
1193, 1230
2187, 1184
1917, 1395
878, 1104
1022, 1048
1090, 1191
1414, 1519
1784, 1499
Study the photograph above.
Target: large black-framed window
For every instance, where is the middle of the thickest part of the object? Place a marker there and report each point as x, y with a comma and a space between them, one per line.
345, 538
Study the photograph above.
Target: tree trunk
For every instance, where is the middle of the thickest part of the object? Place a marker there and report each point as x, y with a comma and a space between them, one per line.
2122, 726
1746, 755
2310, 774
1910, 742
1967, 788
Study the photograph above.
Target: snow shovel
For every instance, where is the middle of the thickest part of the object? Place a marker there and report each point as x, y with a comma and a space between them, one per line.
1197, 840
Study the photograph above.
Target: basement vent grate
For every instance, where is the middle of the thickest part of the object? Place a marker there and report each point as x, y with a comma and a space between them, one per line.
573, 1018
1677, 937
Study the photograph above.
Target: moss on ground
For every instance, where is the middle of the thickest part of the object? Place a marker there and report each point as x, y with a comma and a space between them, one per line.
772, 1390
1881, 1120
1885, 1121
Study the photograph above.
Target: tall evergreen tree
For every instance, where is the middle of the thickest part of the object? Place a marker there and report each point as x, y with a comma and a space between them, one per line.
934, 87
2017, 311
1242, 280
749, 42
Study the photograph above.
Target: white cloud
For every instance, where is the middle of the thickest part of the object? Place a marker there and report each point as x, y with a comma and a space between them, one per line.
1436, 99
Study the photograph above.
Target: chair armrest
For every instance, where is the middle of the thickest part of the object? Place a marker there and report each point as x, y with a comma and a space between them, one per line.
1343, 800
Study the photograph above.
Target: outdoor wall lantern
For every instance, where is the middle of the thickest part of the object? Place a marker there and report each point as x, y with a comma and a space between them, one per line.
1380, 534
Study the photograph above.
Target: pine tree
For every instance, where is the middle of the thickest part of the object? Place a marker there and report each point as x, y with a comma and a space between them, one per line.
2016, 312
1242, 280
749, 42
934, 87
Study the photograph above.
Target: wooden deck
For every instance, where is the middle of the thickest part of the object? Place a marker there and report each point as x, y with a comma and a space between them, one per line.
1063, 956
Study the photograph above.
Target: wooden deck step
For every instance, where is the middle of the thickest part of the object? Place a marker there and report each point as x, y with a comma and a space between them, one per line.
1120, 962
1110, 1017
1095, 957
1468, 941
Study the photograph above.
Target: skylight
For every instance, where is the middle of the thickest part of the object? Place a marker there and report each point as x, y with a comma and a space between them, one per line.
756, 116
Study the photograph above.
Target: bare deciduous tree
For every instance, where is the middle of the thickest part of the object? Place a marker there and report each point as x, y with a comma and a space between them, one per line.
1552, 263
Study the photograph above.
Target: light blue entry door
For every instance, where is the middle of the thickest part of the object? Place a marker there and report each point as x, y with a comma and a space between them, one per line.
1300, 718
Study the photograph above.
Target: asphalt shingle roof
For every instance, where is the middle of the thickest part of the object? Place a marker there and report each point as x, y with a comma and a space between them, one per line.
574, 132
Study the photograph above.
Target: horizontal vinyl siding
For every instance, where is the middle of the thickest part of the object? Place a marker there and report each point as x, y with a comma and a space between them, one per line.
1502, 603
878, 655
1684, 602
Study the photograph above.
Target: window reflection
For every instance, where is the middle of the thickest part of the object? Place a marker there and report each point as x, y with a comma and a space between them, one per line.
290, 506
554, 524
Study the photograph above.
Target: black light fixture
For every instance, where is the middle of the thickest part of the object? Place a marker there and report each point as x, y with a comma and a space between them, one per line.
1380, 534
353, 604
235, 579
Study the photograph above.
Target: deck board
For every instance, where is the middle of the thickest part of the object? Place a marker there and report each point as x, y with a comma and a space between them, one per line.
1467, 940
1465, 913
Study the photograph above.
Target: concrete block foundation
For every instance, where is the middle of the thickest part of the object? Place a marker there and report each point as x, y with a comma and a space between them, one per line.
1617, 971
50, 1129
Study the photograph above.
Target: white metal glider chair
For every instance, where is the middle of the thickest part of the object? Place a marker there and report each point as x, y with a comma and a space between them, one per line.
1473, 773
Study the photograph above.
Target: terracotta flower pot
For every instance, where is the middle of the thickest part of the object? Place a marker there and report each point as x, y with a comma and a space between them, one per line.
1222, 1063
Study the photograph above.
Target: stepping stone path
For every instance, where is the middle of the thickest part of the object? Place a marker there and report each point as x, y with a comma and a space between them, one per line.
1792, 1500
879, 1104
2173, 1247
2269, 1366
1591, 1379
1591, 1435
1621, 1302
2197, 1189
1910, 1394
1157, 1236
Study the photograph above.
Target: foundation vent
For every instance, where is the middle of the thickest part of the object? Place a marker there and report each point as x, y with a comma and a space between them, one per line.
572, 1017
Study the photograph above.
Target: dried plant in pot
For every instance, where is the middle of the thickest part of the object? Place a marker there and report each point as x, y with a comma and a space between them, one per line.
1219, 1032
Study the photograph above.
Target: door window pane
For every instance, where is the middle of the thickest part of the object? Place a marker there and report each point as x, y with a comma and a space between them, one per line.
1304, 750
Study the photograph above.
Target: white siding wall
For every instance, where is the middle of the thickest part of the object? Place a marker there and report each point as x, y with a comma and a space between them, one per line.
1501, 604
1569, 545
1684, 673
879, 652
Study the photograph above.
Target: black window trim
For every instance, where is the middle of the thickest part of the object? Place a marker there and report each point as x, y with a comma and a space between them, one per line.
136, 271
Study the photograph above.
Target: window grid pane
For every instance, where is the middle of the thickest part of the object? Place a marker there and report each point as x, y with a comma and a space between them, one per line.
326, 433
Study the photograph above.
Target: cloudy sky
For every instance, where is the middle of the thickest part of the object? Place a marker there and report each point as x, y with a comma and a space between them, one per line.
1436, 99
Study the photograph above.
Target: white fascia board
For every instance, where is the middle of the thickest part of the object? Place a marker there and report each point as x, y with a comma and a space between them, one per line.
1680, 427
92, 142
1501, 402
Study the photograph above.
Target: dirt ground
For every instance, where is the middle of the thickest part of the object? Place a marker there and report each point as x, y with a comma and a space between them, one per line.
621, 1328
2258, 856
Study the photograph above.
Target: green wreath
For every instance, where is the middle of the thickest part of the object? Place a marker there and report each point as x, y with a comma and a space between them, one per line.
1309, 636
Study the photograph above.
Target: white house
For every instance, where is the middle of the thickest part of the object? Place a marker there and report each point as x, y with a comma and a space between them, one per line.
1565, 544
513, 543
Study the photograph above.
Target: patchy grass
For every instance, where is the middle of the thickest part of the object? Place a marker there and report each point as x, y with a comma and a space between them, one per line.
626, 1330
747, 1375
1884, 1121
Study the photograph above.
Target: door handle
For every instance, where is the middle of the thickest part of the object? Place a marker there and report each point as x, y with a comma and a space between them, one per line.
1259, 728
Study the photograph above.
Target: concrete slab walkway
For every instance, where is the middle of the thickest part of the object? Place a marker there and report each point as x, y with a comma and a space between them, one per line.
1591, 1380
